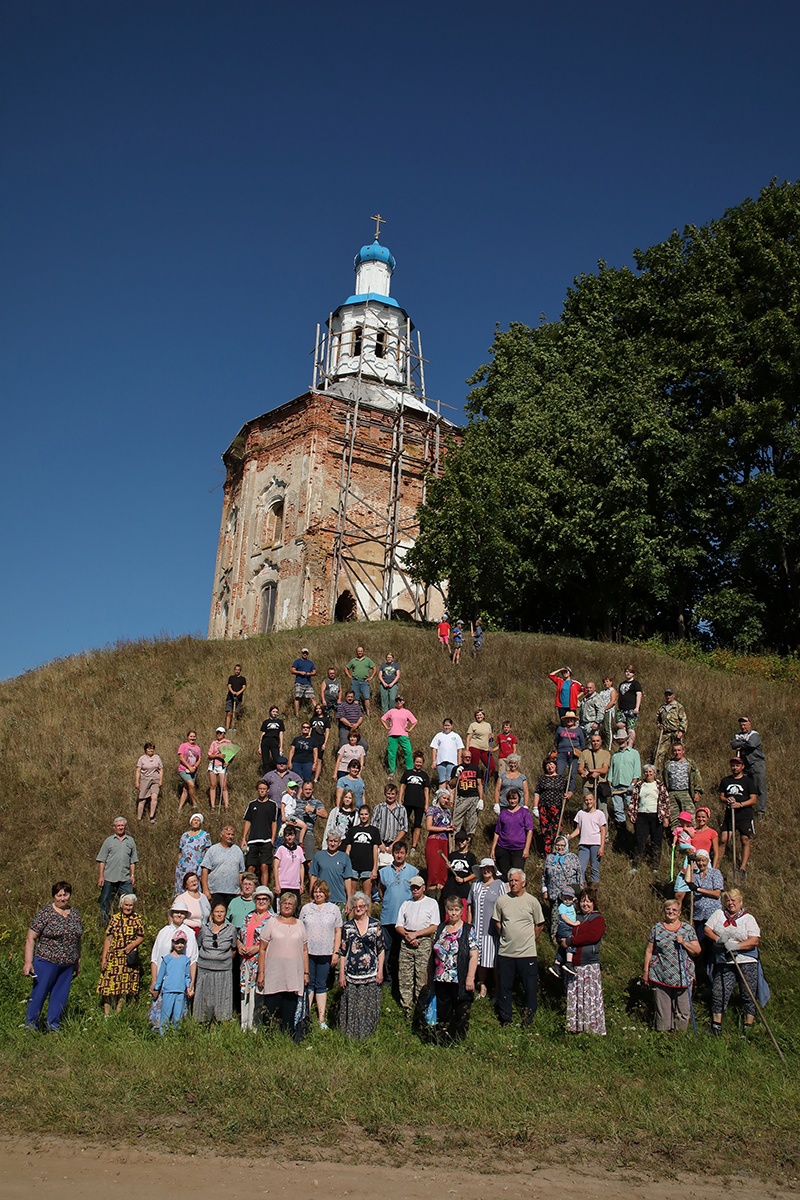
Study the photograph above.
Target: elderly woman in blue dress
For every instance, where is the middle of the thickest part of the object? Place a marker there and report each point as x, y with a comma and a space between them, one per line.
480, 909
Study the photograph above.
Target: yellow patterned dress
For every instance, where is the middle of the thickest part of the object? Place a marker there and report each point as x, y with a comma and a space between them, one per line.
118, 979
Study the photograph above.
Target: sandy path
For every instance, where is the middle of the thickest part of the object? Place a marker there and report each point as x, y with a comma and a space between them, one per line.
75, 1170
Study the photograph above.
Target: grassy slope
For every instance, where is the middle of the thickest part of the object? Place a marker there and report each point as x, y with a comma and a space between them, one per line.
72, 732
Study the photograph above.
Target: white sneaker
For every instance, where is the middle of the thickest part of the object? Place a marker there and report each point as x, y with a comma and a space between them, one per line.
322, 1025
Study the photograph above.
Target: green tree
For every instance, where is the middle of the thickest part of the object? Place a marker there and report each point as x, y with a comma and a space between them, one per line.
633, 467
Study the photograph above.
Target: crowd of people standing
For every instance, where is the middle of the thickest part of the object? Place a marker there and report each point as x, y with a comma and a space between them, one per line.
395, 897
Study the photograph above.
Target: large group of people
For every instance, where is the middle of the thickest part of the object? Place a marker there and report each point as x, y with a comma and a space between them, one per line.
446, 928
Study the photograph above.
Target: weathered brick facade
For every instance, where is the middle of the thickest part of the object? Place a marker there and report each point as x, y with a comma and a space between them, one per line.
288, 555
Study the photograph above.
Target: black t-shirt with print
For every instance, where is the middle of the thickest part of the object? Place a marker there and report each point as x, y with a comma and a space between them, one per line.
415, 783
360, 841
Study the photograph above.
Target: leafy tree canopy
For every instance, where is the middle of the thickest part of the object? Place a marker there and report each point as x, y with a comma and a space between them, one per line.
634, 467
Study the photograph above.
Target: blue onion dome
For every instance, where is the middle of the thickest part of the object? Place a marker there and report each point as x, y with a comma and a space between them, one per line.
375, 253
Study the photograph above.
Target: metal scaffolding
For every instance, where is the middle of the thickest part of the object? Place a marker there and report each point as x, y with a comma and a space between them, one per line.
398, 416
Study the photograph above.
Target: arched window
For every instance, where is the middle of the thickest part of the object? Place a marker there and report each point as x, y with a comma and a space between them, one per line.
356, 343
273, 524
266, 616
380, 344
345, 607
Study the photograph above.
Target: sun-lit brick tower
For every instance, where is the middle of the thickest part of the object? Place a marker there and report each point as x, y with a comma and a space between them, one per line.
321, 493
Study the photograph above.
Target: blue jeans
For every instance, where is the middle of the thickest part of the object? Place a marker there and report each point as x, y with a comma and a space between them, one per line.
319, 966
620, 802
52, 979
567, 762
388, 696
587, 854
108, 891
444, 770
360, 689
305, 770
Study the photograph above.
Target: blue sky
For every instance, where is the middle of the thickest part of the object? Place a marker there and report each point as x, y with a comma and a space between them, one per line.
184, 186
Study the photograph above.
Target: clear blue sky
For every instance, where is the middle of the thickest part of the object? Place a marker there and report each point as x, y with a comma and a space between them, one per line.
185, 183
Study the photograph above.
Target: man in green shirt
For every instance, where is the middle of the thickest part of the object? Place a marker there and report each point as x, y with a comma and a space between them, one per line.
360, 671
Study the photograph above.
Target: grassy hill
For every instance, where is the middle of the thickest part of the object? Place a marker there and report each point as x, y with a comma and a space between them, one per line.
72, 732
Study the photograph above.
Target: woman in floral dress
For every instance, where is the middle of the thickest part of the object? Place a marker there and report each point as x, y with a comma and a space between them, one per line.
191, 850
585, 1012
548, 801
360, 971
125, 932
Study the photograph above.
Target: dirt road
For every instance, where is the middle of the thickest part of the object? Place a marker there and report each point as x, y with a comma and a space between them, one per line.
72, 1170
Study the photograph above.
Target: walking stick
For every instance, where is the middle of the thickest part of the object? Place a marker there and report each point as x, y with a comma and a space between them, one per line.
733, 840
683, 967
561, 815
759, 1009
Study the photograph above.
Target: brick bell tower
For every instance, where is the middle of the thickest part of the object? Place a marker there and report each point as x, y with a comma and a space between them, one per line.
321, 494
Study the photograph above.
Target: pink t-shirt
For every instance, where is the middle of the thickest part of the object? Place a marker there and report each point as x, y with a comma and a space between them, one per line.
291, 866
398, 721
190, 752
590, 824
283, 970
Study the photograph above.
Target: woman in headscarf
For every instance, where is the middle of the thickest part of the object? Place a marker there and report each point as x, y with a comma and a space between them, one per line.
561, 869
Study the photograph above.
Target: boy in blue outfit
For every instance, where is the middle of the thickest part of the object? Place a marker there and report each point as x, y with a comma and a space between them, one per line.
567, 921
173, 982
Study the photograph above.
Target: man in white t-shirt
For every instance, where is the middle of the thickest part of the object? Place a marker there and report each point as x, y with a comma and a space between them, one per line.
163, 942
446, 747
417, 922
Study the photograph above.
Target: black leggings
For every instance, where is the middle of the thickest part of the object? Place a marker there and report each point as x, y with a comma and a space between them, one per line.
415, 816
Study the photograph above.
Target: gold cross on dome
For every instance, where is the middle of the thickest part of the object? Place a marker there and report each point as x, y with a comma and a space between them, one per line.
379, 220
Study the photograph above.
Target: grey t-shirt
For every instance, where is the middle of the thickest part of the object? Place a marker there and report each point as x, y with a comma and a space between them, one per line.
117, 855
224, 865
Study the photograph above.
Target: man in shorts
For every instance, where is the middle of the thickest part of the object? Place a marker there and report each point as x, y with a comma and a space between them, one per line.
738, 793
304, 671
237, 685
447, 747
629, 702
361, 671
258, 834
